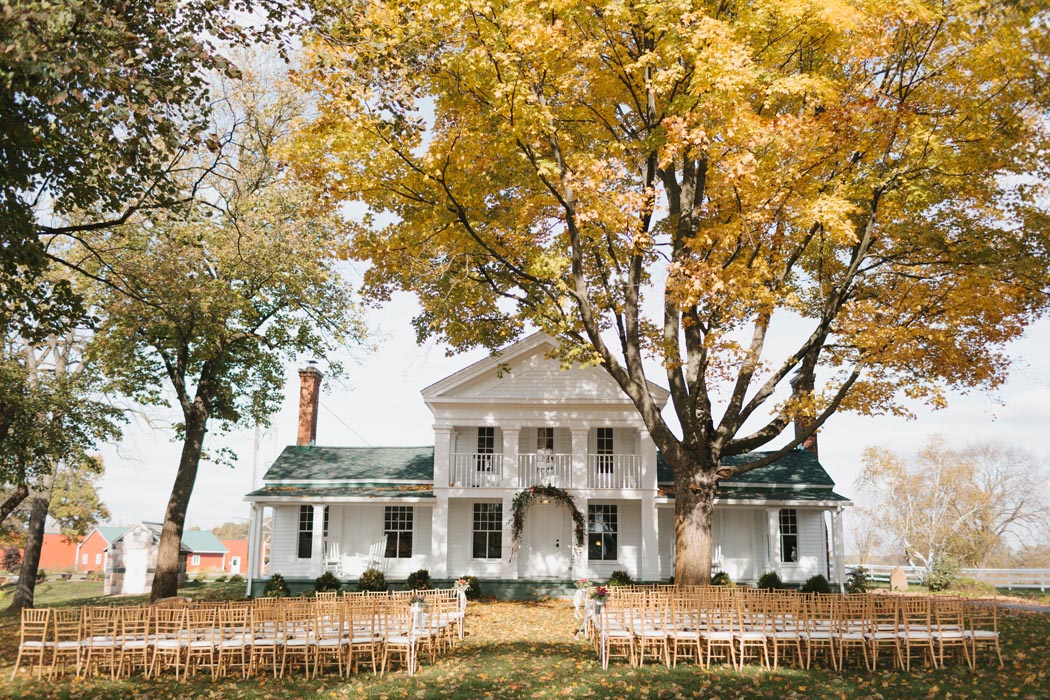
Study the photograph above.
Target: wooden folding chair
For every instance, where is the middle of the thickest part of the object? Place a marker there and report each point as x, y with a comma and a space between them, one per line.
650, 630
67, 630
202, 639
682, 633
266, 640
852, 625
785, 630
169, 641
365, 638
133, 648
718, 631
101, 630
982, 628
885, 629
818, 630
332, 636
33, 642
234, 638
401, 640
752, 629
916, 633
949, 629
300, 641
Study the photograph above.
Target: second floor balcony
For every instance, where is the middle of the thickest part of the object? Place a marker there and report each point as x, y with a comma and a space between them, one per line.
493, 470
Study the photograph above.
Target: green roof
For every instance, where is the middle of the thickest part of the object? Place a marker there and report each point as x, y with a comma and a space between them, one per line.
744, 493
202, 541
796, 467
313, 463
360, 491
110, 533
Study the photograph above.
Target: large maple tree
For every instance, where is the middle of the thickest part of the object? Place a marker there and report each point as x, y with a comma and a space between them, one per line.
795, 207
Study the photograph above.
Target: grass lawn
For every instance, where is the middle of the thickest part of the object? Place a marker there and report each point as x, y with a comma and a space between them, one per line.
518, 650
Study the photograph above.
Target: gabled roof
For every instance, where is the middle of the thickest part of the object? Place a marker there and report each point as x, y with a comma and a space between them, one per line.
315, 463
109, 534
202, 542
600, 386
796, 468
313, 491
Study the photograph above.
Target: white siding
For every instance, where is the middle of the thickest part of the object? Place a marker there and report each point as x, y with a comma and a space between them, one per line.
466, 441
283, 544
460, 542
811, 545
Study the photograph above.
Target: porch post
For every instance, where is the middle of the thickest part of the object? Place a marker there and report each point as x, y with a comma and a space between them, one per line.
508, 567
650, 564
579, 458
439, 536
442, 450
837, 549
317, 544
773, 534
579, 554
509, 466
253, 546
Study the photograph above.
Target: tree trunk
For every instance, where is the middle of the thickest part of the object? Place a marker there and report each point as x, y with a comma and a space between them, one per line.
693, 509
26, 586
166, 578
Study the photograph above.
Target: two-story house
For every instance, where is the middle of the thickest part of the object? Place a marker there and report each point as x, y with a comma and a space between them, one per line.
505, 424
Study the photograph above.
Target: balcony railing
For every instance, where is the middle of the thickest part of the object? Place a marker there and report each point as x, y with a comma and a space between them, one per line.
614, 471
476, 470
545, 470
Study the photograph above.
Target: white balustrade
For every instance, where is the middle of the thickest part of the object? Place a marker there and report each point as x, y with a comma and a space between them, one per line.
474, 470
544, 469
614, 471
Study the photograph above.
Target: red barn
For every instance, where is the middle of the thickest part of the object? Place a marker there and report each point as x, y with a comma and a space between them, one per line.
236, 556
57, 553
91, 552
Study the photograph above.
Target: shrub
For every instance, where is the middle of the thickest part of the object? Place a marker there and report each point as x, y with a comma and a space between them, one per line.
276, 587
372, 580
200, 579
857, 580
418, 581
473, 587
816, 584
327, 582
721, 578
769, 581
236, 578
620, 578
41, 575
942, 574
94, 576
221, 579
12, 559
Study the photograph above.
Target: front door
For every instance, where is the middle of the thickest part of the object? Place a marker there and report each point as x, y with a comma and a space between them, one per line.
135, 561
548, 550
235, 565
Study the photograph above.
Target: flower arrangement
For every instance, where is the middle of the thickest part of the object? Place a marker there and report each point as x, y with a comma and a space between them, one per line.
599, 593
524, 500
461, 585
583, 583
420, 601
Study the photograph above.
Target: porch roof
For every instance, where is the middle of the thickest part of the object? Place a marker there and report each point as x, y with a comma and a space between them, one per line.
311, 491
744, 493
315, 463
796, 467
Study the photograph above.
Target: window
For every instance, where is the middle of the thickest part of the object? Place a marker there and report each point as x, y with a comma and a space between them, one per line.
601, 533
486, 447
545, 440
83, 559
488, 530
196, 560
604, 461
306, 532
789, 535
98, 558
397, 525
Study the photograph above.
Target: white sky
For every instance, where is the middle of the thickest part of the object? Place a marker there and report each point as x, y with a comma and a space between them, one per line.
379, 404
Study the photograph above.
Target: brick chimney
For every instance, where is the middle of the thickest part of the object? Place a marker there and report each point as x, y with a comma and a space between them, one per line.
309, 400
803, 422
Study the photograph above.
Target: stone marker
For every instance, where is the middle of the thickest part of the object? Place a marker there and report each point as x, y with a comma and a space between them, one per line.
898, 580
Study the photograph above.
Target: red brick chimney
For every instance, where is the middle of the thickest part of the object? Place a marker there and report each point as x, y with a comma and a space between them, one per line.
309, 400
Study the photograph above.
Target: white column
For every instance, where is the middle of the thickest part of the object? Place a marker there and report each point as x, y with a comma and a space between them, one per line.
442, 450
439, 536
838, 549
511, 438
579, 558
647, 454
253, 539
317, 544
579, 457
773, 537
650, 569
508, 568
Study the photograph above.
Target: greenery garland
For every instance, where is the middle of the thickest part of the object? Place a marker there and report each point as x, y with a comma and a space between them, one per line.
524, 500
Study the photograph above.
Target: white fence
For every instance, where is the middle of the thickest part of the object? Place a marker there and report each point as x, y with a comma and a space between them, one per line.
544, 470
1000, 578
476, 470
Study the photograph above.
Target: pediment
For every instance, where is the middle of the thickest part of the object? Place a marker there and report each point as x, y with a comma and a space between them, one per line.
524, 373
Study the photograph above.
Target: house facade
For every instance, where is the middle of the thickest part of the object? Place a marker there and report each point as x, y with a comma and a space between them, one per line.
507, 424
91, 552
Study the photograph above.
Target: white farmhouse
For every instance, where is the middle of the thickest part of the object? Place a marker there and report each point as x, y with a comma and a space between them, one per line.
508, 423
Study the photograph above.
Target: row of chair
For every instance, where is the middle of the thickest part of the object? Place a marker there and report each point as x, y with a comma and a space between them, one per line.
267, 635
738, 626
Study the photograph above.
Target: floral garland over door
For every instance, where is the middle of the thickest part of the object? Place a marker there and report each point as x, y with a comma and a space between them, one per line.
524, 500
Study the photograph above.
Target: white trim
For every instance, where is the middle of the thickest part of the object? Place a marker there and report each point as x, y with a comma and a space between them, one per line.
265, 500
765, 485
762, 502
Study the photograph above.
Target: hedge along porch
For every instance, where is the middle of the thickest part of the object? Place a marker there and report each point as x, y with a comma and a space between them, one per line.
502, 426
